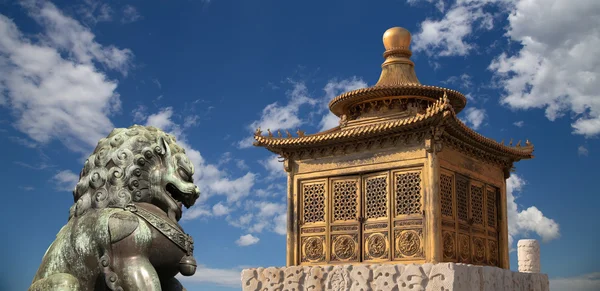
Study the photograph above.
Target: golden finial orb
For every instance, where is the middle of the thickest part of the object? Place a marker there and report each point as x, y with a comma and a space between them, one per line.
396, 38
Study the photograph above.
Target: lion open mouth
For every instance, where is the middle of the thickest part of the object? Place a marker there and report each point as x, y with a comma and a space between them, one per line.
178, 196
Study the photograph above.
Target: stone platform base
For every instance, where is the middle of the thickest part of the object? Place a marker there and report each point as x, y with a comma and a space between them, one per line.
366, 277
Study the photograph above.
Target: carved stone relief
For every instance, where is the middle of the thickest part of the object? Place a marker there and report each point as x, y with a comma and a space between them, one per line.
385, 277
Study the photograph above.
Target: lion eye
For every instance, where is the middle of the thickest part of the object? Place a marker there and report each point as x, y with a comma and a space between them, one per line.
184, 175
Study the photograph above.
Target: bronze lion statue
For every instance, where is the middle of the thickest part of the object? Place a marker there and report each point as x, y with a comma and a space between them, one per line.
123, 231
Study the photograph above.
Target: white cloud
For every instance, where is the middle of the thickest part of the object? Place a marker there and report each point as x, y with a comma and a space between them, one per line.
521, 222
519, 123
474, 117
332, 89
275, 116
268, 216
65, 180
163, 120
223, 277
247, 240
262, 215
219, 209
582, 151
273, 166
465, 81
281, 224
198, 210
241, 164
54, 97
131, 14
95, 11
587, 282
558, 67
448, 36
65, 33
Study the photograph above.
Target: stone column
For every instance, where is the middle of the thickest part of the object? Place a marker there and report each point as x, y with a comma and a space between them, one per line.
528, 253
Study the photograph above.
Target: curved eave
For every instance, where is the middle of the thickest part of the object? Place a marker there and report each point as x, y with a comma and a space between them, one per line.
461, 131
440, 113
337, 135
340, 103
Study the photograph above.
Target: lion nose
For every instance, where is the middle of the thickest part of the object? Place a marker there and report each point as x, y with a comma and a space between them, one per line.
196, 192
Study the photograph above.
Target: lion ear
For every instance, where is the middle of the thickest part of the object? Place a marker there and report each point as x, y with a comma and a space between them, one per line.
165, 146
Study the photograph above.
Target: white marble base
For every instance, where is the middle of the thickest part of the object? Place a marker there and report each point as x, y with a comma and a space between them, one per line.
384, 277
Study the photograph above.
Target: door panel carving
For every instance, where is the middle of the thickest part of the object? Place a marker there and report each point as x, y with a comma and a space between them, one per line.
408, 215
376, 241
376, 247
474, 229
449, 245
313, 225
313, 249
345, 219
408, 243
344, 247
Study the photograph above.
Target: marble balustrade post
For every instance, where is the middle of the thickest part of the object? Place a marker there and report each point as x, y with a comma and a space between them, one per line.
528, 253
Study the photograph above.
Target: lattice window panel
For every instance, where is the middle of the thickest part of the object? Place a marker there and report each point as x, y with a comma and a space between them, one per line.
376, 196
491, 208
408, 193
446, 184
477, 204
314, 202
462, 202
344, 196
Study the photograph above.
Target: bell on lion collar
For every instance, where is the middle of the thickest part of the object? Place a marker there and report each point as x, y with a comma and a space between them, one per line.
187, 266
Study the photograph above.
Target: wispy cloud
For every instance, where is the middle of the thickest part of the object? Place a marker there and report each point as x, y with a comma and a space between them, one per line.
65, 180
474, 117
449, 36
247, 240
523, 221
582, 151
332, 89
281, 117
130, 14
53, 97
558, 65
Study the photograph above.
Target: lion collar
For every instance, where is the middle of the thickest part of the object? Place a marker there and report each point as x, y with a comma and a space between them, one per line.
172, 232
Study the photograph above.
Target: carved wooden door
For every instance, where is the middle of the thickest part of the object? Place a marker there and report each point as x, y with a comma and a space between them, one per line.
469, 211
463, 215
345, 219
376, 213
449, 217
492, 201
313, 218
478, 230
407, 215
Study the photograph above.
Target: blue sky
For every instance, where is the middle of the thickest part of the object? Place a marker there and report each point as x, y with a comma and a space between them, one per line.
210, 72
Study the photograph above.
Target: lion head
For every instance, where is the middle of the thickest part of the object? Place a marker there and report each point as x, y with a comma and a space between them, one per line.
136, 164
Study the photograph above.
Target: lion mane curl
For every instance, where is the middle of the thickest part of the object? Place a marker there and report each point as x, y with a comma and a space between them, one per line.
120, 170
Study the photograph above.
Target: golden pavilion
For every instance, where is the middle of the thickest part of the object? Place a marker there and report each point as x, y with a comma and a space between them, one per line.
400, 180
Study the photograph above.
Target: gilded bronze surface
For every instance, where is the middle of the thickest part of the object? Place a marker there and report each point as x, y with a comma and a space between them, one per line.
401, 179
123, 231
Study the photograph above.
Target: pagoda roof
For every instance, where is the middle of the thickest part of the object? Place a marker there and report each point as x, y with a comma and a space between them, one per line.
398, 104
440, 113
